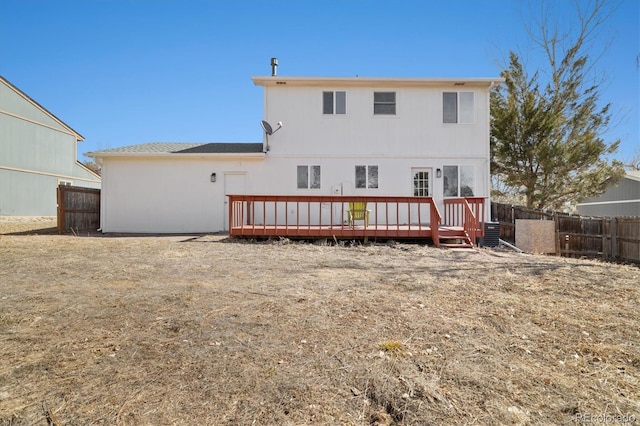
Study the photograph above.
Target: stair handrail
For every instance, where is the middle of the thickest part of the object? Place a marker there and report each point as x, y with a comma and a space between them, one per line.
470, 223
435, 221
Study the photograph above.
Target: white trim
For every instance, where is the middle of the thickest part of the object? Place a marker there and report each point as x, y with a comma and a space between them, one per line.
396, 114
36, 172
382, 156
600, 203
633, 175
334, 105
226, 155
375, 82
26, 97
40, 124
430, 176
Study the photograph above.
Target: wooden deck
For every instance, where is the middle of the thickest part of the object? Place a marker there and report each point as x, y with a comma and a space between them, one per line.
327, 217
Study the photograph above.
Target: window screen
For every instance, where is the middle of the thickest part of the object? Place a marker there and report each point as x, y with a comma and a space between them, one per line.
314, 181
372, 177
341, 102
384, 103
466, 107
466, 181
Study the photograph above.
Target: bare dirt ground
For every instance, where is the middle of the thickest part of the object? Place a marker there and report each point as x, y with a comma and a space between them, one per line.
207, 330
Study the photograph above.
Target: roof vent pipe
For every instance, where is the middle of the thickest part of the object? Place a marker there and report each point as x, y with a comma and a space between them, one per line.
274, 67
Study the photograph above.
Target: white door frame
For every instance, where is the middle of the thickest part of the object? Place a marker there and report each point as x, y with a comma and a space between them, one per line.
414, 209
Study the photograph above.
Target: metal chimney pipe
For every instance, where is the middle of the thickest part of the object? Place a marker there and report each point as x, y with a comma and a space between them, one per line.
274, 67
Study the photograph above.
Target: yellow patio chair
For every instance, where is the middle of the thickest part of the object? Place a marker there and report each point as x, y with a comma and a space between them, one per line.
358, 211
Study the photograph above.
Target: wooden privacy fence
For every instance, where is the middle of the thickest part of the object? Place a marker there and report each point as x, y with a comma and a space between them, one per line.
78, 209
615, 238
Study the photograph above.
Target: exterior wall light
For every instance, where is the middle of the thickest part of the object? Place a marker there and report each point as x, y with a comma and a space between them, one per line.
438, 173
213, 177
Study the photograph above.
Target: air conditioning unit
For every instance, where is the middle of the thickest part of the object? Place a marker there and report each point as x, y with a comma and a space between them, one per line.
491, 235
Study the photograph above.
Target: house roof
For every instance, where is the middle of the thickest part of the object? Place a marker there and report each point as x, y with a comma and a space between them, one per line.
633, 175
78, 136
375, 81
179, 148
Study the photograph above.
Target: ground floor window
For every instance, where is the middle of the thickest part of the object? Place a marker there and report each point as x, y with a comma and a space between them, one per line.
458, 181
308, 177
367, 177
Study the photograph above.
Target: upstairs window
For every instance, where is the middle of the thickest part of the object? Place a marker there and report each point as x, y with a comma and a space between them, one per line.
367, 177
457, 107
384, 103
458, 181
308, 177
334, 103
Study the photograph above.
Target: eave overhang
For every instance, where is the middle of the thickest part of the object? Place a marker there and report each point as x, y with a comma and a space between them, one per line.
375, 82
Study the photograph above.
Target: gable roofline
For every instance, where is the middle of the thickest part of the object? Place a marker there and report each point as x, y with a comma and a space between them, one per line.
183, 149
77, 135
88, 170
376, 81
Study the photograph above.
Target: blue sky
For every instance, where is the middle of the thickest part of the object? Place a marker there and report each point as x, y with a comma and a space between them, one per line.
124, 72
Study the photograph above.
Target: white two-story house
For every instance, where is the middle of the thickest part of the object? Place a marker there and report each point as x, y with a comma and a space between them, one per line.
324, 136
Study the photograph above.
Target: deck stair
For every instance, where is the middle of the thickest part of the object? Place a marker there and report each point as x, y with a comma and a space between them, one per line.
454, 237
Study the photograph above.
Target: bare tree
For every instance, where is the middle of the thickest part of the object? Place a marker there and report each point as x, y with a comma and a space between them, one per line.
633, 163
91, 165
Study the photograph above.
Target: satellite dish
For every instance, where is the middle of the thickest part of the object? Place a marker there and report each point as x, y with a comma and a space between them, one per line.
268, 130
266, 127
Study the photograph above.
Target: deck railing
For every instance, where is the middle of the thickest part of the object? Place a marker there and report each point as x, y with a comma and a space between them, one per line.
326, 216
468, 213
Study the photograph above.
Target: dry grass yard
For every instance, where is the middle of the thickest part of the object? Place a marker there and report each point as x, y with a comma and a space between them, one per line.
185, 330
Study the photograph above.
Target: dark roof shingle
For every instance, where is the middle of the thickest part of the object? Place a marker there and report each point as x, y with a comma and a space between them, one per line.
184, 148
223, 148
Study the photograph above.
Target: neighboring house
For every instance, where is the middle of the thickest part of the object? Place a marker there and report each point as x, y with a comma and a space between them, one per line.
37, 153
340, 136
622, 199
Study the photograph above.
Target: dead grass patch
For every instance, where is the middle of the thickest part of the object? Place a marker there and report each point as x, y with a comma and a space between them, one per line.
170, 330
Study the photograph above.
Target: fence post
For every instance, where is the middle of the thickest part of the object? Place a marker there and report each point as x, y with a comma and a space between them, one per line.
61, 209
557, 226
614, 238
605, 249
